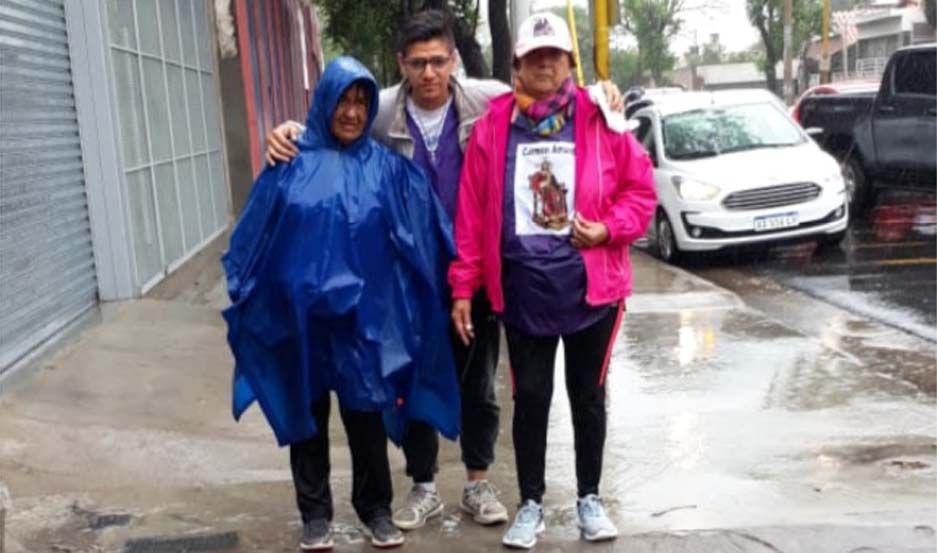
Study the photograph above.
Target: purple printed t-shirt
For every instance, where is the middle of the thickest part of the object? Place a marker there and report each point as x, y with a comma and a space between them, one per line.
544, 276
444, 173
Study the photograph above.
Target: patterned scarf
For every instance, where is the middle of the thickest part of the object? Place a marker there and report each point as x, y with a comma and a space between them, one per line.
546, 117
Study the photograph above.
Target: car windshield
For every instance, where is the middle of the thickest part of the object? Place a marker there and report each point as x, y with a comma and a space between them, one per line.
724, 129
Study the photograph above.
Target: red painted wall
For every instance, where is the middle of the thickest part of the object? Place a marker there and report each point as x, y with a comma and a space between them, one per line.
270, 34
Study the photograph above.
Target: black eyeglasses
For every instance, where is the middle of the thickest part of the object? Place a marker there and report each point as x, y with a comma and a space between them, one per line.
419, 64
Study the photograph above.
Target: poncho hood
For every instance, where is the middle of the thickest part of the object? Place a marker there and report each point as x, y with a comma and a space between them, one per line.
339, 75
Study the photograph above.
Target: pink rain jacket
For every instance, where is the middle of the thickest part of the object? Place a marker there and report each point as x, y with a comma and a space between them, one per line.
614, 185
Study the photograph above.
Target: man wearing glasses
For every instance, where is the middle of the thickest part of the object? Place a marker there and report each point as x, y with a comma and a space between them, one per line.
429, 118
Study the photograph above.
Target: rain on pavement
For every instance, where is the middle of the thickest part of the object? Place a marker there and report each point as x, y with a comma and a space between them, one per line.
721, 416
886, 268
731, 428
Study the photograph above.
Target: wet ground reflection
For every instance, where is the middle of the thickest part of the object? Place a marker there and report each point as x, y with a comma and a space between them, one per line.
721, 416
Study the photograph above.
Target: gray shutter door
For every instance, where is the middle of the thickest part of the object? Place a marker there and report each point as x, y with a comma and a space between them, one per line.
47, 274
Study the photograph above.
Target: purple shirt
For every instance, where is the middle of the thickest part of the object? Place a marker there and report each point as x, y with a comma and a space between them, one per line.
444, 173
543, 275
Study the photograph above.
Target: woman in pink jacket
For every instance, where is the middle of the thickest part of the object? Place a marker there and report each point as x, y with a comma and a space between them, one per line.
549, 201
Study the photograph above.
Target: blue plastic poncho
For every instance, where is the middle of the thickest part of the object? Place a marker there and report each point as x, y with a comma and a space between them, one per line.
336, 273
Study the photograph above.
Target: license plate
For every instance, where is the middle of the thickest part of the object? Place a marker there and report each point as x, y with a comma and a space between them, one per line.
775, 222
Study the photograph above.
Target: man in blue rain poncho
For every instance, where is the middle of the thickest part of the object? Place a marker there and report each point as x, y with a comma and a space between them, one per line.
336, 273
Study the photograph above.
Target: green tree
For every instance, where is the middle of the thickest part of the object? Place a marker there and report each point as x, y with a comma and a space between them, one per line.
754, 53
622, 62
364, 29
713, 52
368, 30
624, 68
653, 23
463, 17
767, 17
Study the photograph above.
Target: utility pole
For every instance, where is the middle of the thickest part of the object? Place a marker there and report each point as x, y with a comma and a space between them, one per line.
520, 9
788, 46
825, 45
571, 18
600, 30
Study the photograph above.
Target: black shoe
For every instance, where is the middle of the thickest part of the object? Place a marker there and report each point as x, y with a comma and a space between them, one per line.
383, 532
317, 536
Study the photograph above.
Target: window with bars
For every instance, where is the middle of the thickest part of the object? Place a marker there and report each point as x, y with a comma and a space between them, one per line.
162, 66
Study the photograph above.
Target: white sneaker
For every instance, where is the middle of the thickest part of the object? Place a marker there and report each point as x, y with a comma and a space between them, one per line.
421, 505
528, 522
480, 500
594, 524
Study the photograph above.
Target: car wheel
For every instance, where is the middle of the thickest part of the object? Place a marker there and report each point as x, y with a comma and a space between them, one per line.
665, 240
857, 193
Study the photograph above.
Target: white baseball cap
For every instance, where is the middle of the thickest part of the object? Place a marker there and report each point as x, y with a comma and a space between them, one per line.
543, 30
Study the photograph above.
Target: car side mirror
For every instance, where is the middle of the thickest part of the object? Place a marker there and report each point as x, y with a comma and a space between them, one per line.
814, 131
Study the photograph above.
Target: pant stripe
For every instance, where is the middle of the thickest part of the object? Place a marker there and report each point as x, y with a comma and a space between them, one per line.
611, 343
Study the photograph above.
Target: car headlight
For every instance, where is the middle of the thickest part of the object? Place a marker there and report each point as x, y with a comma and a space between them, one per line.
693, 190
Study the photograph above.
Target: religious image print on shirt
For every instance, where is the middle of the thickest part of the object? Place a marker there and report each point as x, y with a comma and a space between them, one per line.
544, 188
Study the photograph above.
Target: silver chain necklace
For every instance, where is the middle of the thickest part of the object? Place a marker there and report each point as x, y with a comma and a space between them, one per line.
436, 127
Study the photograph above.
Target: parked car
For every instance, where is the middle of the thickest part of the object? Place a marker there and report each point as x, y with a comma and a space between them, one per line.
733, 168
637, 96
888, 139
842, 87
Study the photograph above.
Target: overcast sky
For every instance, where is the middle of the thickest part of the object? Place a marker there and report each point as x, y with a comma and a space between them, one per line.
728, 19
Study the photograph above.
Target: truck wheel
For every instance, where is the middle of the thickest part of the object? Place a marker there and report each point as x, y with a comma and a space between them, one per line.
857, 193
664, 239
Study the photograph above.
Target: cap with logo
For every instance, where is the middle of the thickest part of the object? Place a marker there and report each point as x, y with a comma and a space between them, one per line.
542, 30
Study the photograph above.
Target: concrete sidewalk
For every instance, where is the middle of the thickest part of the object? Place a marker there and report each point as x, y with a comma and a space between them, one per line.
124, 441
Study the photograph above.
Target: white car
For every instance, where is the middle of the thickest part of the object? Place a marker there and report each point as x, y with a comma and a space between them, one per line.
733, 168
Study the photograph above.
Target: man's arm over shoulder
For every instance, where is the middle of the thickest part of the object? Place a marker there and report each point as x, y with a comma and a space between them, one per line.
484, 89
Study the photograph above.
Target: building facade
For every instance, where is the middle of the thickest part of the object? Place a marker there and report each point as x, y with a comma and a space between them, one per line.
115, 163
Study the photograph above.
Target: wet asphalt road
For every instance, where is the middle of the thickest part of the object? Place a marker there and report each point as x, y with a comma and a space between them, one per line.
885, 269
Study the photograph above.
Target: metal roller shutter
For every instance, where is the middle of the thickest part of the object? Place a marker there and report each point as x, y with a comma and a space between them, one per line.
47, 273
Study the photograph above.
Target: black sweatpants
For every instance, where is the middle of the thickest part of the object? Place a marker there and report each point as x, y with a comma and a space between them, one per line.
476, 365
371, 493
532, 361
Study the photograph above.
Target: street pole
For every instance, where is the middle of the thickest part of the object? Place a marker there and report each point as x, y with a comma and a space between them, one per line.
788, 36
600, 19
520, 9
571, 17
825, 45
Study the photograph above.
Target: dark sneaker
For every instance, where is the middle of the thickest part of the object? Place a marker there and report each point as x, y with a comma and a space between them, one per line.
384, 534
317, 536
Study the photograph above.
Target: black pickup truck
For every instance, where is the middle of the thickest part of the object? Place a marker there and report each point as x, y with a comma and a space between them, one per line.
888, 139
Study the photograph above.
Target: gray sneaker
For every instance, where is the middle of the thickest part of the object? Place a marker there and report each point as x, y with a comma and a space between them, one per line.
481, 501
384, 534
420, 506
594, 524
528, 522
317, 536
